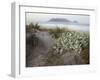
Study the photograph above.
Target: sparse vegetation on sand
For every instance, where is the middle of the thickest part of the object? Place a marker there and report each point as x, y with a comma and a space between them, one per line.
77, 43
56, 32
72, 45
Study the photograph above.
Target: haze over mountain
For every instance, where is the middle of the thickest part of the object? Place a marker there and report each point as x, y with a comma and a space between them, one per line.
64, 21
55, 18
59, 20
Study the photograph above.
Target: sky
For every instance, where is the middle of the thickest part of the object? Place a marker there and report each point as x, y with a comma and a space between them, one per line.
41, 17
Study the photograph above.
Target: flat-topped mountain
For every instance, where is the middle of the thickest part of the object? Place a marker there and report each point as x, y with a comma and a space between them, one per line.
59, 20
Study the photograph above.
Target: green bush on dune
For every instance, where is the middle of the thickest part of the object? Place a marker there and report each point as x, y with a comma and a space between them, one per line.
71, 40
75, 42
31, 27
56, 32
65, 40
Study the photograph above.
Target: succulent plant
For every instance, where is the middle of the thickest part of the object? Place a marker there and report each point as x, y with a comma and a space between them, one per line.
71, 40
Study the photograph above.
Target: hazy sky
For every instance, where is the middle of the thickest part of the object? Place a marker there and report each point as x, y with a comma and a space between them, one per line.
41, 17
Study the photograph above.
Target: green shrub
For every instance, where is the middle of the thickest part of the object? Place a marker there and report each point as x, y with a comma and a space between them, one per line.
75, 42
31, 27
56, 33
72, 40
36, 26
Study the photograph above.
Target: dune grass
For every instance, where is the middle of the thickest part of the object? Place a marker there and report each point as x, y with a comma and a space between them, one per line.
65, 40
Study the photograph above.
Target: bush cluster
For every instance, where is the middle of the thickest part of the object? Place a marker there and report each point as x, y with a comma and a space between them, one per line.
56, 32
31, 27
71, 41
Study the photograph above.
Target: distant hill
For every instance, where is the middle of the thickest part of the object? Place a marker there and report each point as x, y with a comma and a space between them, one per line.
75, 21
63, 21
59, 20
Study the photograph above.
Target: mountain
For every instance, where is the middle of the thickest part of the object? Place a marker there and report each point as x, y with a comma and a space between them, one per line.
75, 21
59, 20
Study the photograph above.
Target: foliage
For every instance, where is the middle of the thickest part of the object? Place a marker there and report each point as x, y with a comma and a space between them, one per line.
31, 27
53, 59
77, 42
36, 26
71, 40
33, 41
56, 33
65, 40
85, 54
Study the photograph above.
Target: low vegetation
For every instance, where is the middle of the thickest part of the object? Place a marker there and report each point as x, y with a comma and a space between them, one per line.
77, 43
32, 27
56, 32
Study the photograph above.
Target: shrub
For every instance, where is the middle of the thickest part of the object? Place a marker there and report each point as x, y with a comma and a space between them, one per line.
53, 59
74, 42
85, 54
33, 41
71, 40
56, 33
31, 27
36, 26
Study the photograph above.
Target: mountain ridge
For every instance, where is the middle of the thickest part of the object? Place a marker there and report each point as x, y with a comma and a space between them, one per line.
59, 20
